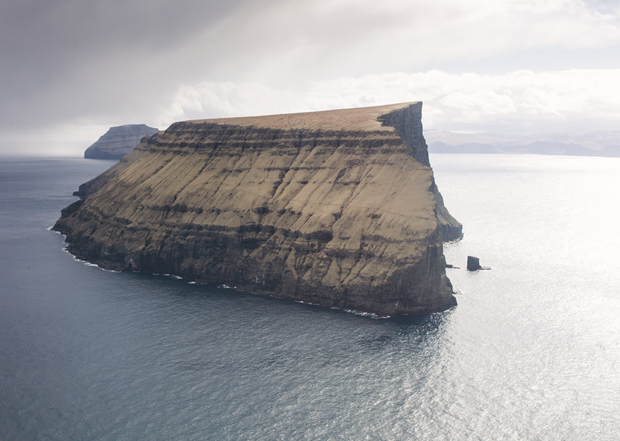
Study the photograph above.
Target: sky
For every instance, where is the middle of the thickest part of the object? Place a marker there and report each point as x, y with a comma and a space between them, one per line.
70, 69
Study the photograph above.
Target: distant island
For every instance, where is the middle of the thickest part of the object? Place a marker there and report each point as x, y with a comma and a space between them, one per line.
606, 144
118, 141
336, 208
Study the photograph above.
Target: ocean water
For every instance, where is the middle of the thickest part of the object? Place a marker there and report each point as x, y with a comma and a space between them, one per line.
532, 351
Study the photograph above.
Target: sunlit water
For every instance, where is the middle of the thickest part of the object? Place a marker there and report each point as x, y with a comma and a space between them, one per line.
532, 351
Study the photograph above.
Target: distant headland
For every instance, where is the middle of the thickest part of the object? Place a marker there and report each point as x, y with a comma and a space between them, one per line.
118, 141
602, 143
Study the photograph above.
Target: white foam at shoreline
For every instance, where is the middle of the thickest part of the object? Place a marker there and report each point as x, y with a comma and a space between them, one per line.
84, 262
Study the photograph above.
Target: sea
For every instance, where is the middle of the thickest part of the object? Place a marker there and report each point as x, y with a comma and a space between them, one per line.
531, 352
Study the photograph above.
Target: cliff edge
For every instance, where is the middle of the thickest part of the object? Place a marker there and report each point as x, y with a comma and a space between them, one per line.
337, 208
118, 141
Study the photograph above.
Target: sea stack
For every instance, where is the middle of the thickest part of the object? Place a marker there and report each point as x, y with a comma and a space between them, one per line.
337, 208
473, 263
118, 141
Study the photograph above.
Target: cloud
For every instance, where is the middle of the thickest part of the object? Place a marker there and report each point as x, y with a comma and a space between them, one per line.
572, 101
521, 100
83, 63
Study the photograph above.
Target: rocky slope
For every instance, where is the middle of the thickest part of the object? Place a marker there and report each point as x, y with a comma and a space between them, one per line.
337, 208
118, 141
95, 184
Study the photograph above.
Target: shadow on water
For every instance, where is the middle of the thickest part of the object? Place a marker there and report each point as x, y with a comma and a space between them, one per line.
425, 324
243, 331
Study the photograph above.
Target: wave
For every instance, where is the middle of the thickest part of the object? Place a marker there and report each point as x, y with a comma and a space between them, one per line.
371, 315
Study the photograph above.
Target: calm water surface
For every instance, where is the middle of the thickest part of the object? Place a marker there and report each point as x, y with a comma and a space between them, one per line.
532, 351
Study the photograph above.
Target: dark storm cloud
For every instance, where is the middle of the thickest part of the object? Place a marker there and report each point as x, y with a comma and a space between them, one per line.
64, 56
91, 60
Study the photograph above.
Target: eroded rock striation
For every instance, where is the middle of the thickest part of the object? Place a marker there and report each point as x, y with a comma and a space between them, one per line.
118, 141
337, 208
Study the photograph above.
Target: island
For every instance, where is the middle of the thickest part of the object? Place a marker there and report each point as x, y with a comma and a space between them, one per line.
337, 208
118, 141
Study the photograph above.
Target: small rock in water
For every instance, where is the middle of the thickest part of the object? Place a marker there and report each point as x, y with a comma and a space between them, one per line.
473, 263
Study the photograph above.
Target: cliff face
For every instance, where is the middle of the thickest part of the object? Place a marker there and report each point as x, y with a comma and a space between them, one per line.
118, 141
324, 207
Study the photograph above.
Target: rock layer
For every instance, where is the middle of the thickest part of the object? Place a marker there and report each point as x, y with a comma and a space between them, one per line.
337, 208
118, 141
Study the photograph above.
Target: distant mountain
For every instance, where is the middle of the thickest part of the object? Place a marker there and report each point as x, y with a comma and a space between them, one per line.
118, 141
590, 144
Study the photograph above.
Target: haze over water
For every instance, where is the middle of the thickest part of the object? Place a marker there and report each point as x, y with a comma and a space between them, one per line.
532, 351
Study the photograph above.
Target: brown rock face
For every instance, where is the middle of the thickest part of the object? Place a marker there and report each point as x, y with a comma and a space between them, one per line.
337, 208
118, 141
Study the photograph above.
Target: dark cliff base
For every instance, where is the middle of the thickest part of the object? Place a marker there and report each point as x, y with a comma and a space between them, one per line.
403, 294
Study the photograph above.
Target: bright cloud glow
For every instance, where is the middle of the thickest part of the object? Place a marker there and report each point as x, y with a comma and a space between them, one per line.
515, 101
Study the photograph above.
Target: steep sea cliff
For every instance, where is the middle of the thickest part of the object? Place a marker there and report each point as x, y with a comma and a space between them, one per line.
337, 208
